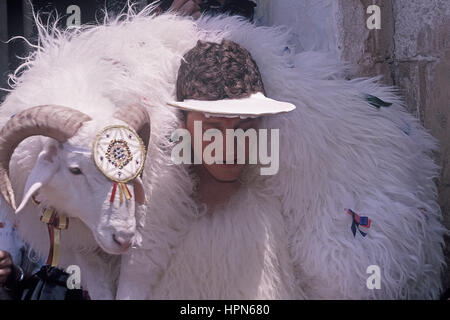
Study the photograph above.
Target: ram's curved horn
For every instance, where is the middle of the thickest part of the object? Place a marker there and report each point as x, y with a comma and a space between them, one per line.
136, 117
56, 122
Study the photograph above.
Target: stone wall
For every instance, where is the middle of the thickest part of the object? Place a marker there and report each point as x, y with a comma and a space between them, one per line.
412, 51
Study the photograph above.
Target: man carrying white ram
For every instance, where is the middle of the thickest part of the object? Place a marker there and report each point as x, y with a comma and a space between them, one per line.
344, 197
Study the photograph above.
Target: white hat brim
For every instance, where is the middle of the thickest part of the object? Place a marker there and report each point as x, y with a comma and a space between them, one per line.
255, 105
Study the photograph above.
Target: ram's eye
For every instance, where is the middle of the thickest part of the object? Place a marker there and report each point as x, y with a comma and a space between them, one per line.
75, 170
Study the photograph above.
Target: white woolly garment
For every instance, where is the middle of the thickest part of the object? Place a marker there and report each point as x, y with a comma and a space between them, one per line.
291, 237
337, 151
237, 252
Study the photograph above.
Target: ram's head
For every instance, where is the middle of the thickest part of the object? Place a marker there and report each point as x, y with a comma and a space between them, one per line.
65, 176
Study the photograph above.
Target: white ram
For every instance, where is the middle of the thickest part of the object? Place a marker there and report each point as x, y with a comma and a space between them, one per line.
98, 83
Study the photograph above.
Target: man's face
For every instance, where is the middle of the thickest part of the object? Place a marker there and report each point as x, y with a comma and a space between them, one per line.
221, 172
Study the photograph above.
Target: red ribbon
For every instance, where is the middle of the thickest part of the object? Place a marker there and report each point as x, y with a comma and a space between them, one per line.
123, 191
113, 193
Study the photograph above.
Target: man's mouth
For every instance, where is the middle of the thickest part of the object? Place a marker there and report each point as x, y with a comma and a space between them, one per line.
234, 164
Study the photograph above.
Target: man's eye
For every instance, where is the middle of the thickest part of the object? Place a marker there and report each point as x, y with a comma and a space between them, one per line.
75, 170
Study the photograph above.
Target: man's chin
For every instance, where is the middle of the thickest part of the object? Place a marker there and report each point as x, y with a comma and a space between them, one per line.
226, 173
226, 179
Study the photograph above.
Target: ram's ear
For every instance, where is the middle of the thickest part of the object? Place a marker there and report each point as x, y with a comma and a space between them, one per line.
45, 167
139, 192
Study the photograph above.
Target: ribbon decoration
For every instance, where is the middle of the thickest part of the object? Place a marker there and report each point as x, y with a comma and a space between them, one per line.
123, 191
375, 101
55, 223
358, 221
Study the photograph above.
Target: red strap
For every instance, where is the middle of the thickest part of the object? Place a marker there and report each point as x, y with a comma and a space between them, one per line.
113, 193
51, 234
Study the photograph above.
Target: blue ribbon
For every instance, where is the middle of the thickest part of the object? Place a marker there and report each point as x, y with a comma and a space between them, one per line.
364, 221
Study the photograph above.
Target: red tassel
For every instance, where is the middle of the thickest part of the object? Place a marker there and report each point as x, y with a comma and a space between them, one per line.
113, 193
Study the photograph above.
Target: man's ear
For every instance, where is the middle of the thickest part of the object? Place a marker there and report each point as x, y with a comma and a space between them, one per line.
44, 169
183, 117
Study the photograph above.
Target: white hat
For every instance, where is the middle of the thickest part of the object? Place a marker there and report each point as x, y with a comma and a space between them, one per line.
257, 104
222, 79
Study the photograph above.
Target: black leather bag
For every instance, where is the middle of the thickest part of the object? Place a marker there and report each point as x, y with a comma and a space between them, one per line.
50, 283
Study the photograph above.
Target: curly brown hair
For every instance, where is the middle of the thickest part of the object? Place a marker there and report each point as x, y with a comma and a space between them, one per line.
216, 71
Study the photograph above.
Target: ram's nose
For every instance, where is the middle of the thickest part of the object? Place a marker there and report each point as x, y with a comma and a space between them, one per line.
123, 240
